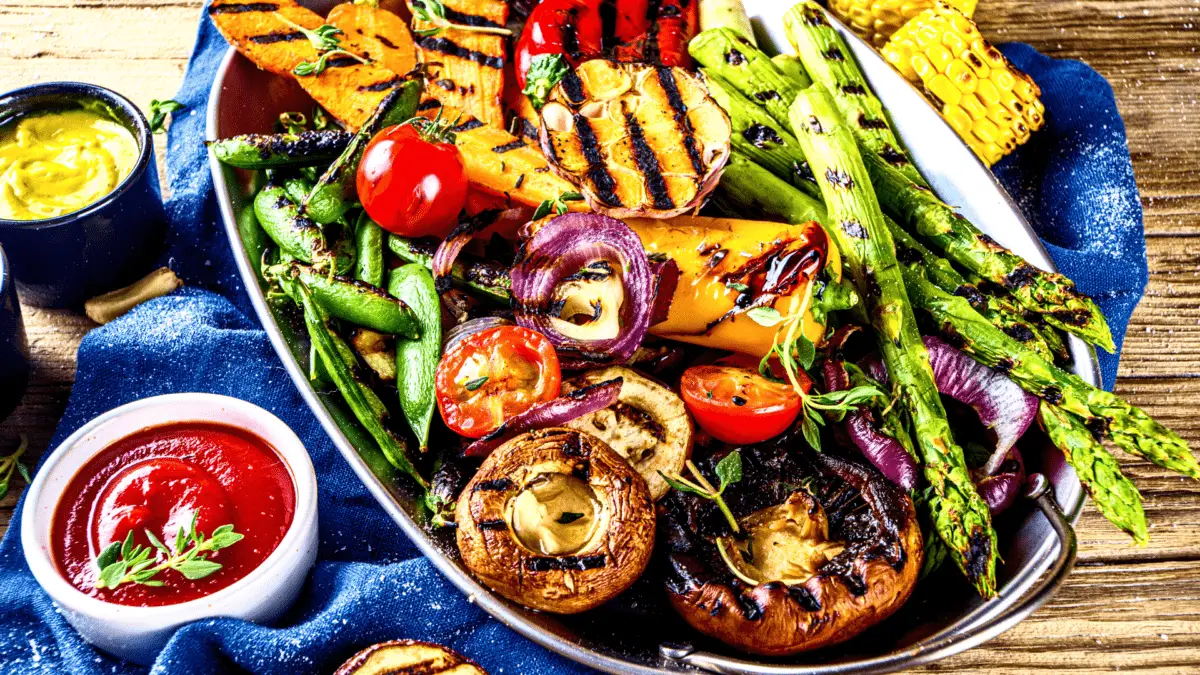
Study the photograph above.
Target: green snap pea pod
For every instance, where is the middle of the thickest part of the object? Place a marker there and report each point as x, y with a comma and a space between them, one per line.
857, 226
360, 304
266, 151
340, 364
369, 239
335, 190
478, 276
254, 240
297, 188
727, 55
297, 235
417, 360
828, 60
317, 375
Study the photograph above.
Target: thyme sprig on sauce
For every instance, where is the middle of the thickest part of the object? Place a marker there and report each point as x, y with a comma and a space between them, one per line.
124, 562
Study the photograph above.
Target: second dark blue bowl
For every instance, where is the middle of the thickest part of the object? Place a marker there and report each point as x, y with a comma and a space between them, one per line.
14, 351
60, 262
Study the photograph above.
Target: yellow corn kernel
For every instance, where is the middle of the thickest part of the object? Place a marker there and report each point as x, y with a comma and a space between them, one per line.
993, 106
876, 20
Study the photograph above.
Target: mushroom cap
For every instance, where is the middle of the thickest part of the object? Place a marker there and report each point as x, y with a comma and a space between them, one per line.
583, 575
408, 657
862, 585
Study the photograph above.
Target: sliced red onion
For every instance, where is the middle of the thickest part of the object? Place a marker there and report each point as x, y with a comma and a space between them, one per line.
551, 413
1002, 488
577, 244
447, 252
666, 280
883, 451
1001, 404
458, 333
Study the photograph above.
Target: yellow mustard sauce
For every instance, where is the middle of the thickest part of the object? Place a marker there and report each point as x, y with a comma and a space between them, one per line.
56, 163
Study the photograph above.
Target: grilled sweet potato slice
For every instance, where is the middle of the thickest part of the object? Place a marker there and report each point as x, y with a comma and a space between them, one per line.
638, 140
501, 164
408, 657
260, 31
382, 34
466, 69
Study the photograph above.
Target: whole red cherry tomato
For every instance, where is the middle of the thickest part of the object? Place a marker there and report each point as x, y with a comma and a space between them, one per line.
493, 375
411, 180
737, 405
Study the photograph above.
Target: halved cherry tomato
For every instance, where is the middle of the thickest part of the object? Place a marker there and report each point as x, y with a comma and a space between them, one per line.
493, 375
411, 182
737, 405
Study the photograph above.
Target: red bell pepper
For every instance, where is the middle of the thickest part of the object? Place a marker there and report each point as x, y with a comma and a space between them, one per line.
557, 33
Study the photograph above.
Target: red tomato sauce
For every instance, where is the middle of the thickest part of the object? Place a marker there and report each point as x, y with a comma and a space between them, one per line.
156, 479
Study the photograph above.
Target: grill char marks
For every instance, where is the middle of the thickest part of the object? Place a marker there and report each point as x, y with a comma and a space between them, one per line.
448, 47
597, 172
473, 62
647, 162
382, 85
276, 37
242, 7
666, 80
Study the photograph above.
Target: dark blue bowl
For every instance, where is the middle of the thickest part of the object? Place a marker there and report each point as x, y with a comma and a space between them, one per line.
14, 351
60, 262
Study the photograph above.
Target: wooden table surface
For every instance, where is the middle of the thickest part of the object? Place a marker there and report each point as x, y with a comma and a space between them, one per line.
1123, 608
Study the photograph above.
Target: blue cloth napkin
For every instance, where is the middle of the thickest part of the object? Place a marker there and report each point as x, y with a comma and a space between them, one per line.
1075, 182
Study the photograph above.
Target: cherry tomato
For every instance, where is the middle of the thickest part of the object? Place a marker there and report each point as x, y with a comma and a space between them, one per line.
412, 183
737, 405
493, 375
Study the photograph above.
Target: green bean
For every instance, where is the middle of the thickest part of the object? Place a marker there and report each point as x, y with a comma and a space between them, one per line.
340, 364
417, 360
349, 300
254, 240
479, 276
335, 190
369, 238
264, 151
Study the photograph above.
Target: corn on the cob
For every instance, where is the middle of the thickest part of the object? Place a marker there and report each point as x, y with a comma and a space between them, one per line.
992, 105
876, 20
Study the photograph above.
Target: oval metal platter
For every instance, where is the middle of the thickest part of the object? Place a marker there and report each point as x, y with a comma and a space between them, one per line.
638, 633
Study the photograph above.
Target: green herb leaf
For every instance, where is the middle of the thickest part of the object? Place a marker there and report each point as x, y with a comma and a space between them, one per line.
476, 383
111, 575
806, 352
765, 316
742, 288
127, 546
568, 517
159, 111
109, 555
812, 432
307, 68
320, 119
729, 470
683, 487
196, 568
545, 71
156, 543
223, 540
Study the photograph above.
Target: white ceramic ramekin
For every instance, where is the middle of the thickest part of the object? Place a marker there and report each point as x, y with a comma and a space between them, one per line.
139, 633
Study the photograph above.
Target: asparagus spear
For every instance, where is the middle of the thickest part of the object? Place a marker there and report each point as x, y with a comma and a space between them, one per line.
1049, 294
998, 299
726, 54
960, 515
1115, 495
760, 138
1129, 427
830, 63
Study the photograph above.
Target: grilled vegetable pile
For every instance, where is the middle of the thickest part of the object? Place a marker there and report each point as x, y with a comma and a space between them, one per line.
597, 307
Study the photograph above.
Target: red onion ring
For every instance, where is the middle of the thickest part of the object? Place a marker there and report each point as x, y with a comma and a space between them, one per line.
550, 413
467, 328
1002, 488
883, 451
561, 248
666, 280
448, 251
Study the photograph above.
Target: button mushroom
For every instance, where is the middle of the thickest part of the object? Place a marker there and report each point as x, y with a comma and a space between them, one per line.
556, 520
408, 657
648, 425
825, 548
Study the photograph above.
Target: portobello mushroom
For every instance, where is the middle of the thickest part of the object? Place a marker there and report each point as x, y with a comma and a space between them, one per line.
408, 657
556, 520
825, 549
648, 425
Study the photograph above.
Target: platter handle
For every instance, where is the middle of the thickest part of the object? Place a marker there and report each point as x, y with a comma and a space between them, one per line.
1038, 489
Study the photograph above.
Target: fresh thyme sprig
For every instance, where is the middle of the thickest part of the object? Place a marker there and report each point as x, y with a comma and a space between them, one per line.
306, 68
159, 111
558, 205
124, 562
12, 463
325, 40
729, 471
434, 12
796, 353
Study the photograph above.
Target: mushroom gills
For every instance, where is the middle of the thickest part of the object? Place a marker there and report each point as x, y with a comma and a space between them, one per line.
788, 543
554, 514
